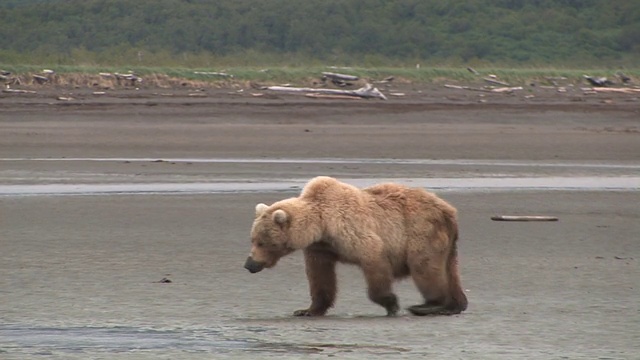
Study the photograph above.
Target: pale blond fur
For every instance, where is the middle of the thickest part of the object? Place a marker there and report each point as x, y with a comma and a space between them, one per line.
389, 230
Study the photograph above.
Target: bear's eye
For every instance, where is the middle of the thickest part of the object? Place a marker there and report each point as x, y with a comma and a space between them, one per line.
260, 244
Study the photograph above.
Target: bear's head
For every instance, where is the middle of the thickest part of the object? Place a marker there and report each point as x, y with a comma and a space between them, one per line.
270, 238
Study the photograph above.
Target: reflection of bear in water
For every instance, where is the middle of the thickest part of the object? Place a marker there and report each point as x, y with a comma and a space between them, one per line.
389, 230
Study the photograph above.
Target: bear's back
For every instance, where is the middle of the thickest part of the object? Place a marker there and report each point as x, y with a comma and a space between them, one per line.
416, 206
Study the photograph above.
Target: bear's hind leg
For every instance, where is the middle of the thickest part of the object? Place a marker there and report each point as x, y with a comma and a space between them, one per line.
429, 276
379, 280
321, 273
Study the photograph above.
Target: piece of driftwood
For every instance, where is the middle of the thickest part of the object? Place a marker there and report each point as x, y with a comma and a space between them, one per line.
473, 71
128, 79
523, 218
612, 90
18, 91
329, 96
340, 80
40, 79
507, 90
386, 80
459, 87
366, 92
213, 73
600, 81
341, 77
495, 81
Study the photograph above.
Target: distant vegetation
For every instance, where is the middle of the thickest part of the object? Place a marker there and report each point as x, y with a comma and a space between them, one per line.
208, 33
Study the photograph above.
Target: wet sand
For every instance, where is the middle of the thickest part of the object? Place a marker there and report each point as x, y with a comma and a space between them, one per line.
82, 271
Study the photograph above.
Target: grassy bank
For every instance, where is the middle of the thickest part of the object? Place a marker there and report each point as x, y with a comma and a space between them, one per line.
202, 77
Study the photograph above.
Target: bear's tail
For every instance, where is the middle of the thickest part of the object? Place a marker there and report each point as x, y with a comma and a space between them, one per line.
457, 299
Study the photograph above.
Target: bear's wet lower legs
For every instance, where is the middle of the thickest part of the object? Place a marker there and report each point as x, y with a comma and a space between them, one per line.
432, 280
321, 273
379, 281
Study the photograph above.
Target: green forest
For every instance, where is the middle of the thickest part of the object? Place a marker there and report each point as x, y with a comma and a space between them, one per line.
517, 33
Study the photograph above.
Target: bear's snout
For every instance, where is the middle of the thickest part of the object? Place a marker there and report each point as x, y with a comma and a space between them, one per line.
253, 266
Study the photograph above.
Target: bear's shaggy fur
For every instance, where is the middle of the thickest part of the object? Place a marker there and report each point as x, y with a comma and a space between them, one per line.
389, 230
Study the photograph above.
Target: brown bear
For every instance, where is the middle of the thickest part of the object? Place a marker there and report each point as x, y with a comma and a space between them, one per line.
391, 231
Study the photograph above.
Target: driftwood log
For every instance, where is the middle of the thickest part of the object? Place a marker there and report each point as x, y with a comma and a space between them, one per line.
334, 97
495, 81
17, 91
523, 218
473, 71
128, 79
600, 81
213, 73
341, 77
40, 79
613, 90
365, 92
506, 90
340, 80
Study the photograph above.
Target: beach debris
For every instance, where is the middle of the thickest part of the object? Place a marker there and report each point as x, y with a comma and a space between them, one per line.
343, 77
17, 91
493, 90
523, 218
493, 79
213, 73
329, 96
40, 79
386, 80
596, 90
599, 81
65, 98
624, 78
4, 75
337, 79
128, 78
47, 75
472, 70
506, 89
164, 280
366, 92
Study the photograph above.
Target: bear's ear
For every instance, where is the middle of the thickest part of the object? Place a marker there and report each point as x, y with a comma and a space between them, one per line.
261, 208
280, 216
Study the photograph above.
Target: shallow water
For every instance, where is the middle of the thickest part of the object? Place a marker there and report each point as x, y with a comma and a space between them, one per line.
243, 185
80, 272
370, 161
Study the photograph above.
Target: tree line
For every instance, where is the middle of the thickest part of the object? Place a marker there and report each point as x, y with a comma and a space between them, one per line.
499, 31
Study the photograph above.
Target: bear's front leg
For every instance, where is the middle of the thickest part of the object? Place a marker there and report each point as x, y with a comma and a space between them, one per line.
379, 280
320, 266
